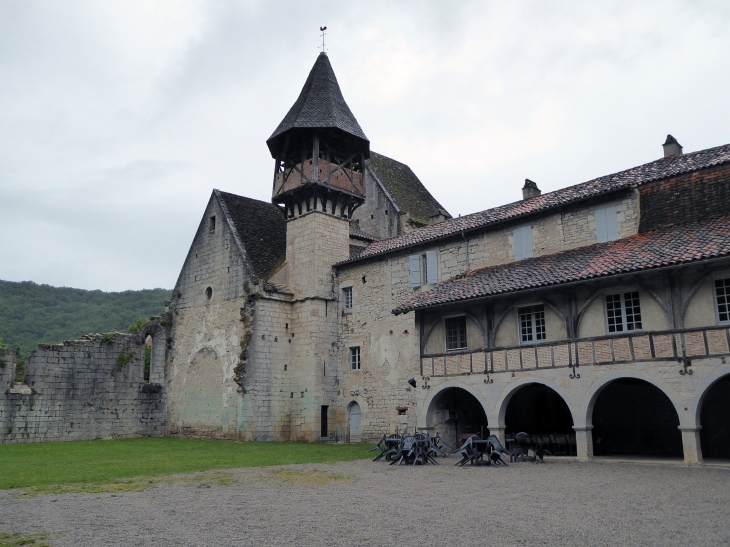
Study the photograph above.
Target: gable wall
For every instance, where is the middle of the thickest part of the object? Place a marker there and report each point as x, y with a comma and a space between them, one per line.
385, 219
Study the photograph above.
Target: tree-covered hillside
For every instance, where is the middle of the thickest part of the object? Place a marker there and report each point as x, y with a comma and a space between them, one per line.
32, 314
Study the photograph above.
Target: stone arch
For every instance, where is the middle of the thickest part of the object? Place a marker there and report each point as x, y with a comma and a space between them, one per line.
586, 412
708, 385
648, 428
159, 351
522, 382
471, 414
201, 399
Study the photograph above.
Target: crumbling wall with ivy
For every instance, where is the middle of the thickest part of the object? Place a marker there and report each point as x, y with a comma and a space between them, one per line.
86, 389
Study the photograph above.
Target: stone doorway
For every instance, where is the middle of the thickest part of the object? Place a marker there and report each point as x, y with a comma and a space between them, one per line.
632, 417
353, 422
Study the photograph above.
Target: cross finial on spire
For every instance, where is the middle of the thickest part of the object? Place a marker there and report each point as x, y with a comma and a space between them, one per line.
322, 29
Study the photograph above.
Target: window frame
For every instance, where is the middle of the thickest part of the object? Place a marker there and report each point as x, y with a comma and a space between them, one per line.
726, 280
622, 294
418, 268
347, 298
534, 333
355, 359
515, 237
446, 333
602, 211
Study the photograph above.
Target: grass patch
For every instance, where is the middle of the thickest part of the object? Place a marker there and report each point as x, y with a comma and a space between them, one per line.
135, 484
312, 477
12, 540
106, 462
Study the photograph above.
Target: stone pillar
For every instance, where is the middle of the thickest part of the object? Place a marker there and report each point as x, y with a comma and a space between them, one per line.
691, 443
584, 441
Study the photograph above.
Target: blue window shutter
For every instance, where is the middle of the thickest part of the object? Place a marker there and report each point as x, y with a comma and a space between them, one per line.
517, 241
432, 267
601, 231
527, 242
611, 224
415, 275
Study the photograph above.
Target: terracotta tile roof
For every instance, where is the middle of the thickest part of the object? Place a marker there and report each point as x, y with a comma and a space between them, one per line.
655, 170
654, 249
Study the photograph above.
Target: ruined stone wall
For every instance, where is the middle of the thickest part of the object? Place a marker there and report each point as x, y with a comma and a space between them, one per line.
86, 389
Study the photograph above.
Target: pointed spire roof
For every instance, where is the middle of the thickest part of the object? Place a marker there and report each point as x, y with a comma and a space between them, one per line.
320, 106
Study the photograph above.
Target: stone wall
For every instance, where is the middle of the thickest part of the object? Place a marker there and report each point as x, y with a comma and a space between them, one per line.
573, 227
87, 389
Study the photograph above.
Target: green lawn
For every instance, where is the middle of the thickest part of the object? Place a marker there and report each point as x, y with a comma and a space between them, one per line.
24, 465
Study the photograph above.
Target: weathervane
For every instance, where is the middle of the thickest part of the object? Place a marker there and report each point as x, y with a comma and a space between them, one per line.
322, 29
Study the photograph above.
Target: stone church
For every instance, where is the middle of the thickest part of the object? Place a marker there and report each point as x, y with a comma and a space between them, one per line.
352, 305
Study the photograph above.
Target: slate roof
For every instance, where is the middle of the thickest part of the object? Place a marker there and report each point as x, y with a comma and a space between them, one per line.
261, 229
405, 188
320, 105
655, 170
663, 247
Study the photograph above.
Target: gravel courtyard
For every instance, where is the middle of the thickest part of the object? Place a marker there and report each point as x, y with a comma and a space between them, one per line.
364, 503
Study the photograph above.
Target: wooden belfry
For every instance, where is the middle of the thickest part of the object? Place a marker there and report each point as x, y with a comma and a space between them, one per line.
320, 150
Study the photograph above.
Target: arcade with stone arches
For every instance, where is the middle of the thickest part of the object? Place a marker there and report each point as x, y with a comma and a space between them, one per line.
630, 413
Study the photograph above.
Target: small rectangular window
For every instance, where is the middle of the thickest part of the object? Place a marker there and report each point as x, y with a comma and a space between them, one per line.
355, 358
522, 241
455, 332
324, 430
212, 224
722, 292
347, 298
423, 269
532, 323
623, 312
606, 224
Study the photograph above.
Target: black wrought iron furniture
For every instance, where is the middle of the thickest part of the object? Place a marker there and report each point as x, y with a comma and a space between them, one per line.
475, 449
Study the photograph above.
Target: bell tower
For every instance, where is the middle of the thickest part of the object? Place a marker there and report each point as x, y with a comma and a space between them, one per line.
319, 151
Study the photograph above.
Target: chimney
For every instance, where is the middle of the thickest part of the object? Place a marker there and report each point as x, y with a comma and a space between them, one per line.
530, 190
672, 147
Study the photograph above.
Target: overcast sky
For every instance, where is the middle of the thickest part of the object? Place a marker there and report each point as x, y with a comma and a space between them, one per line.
117, 119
